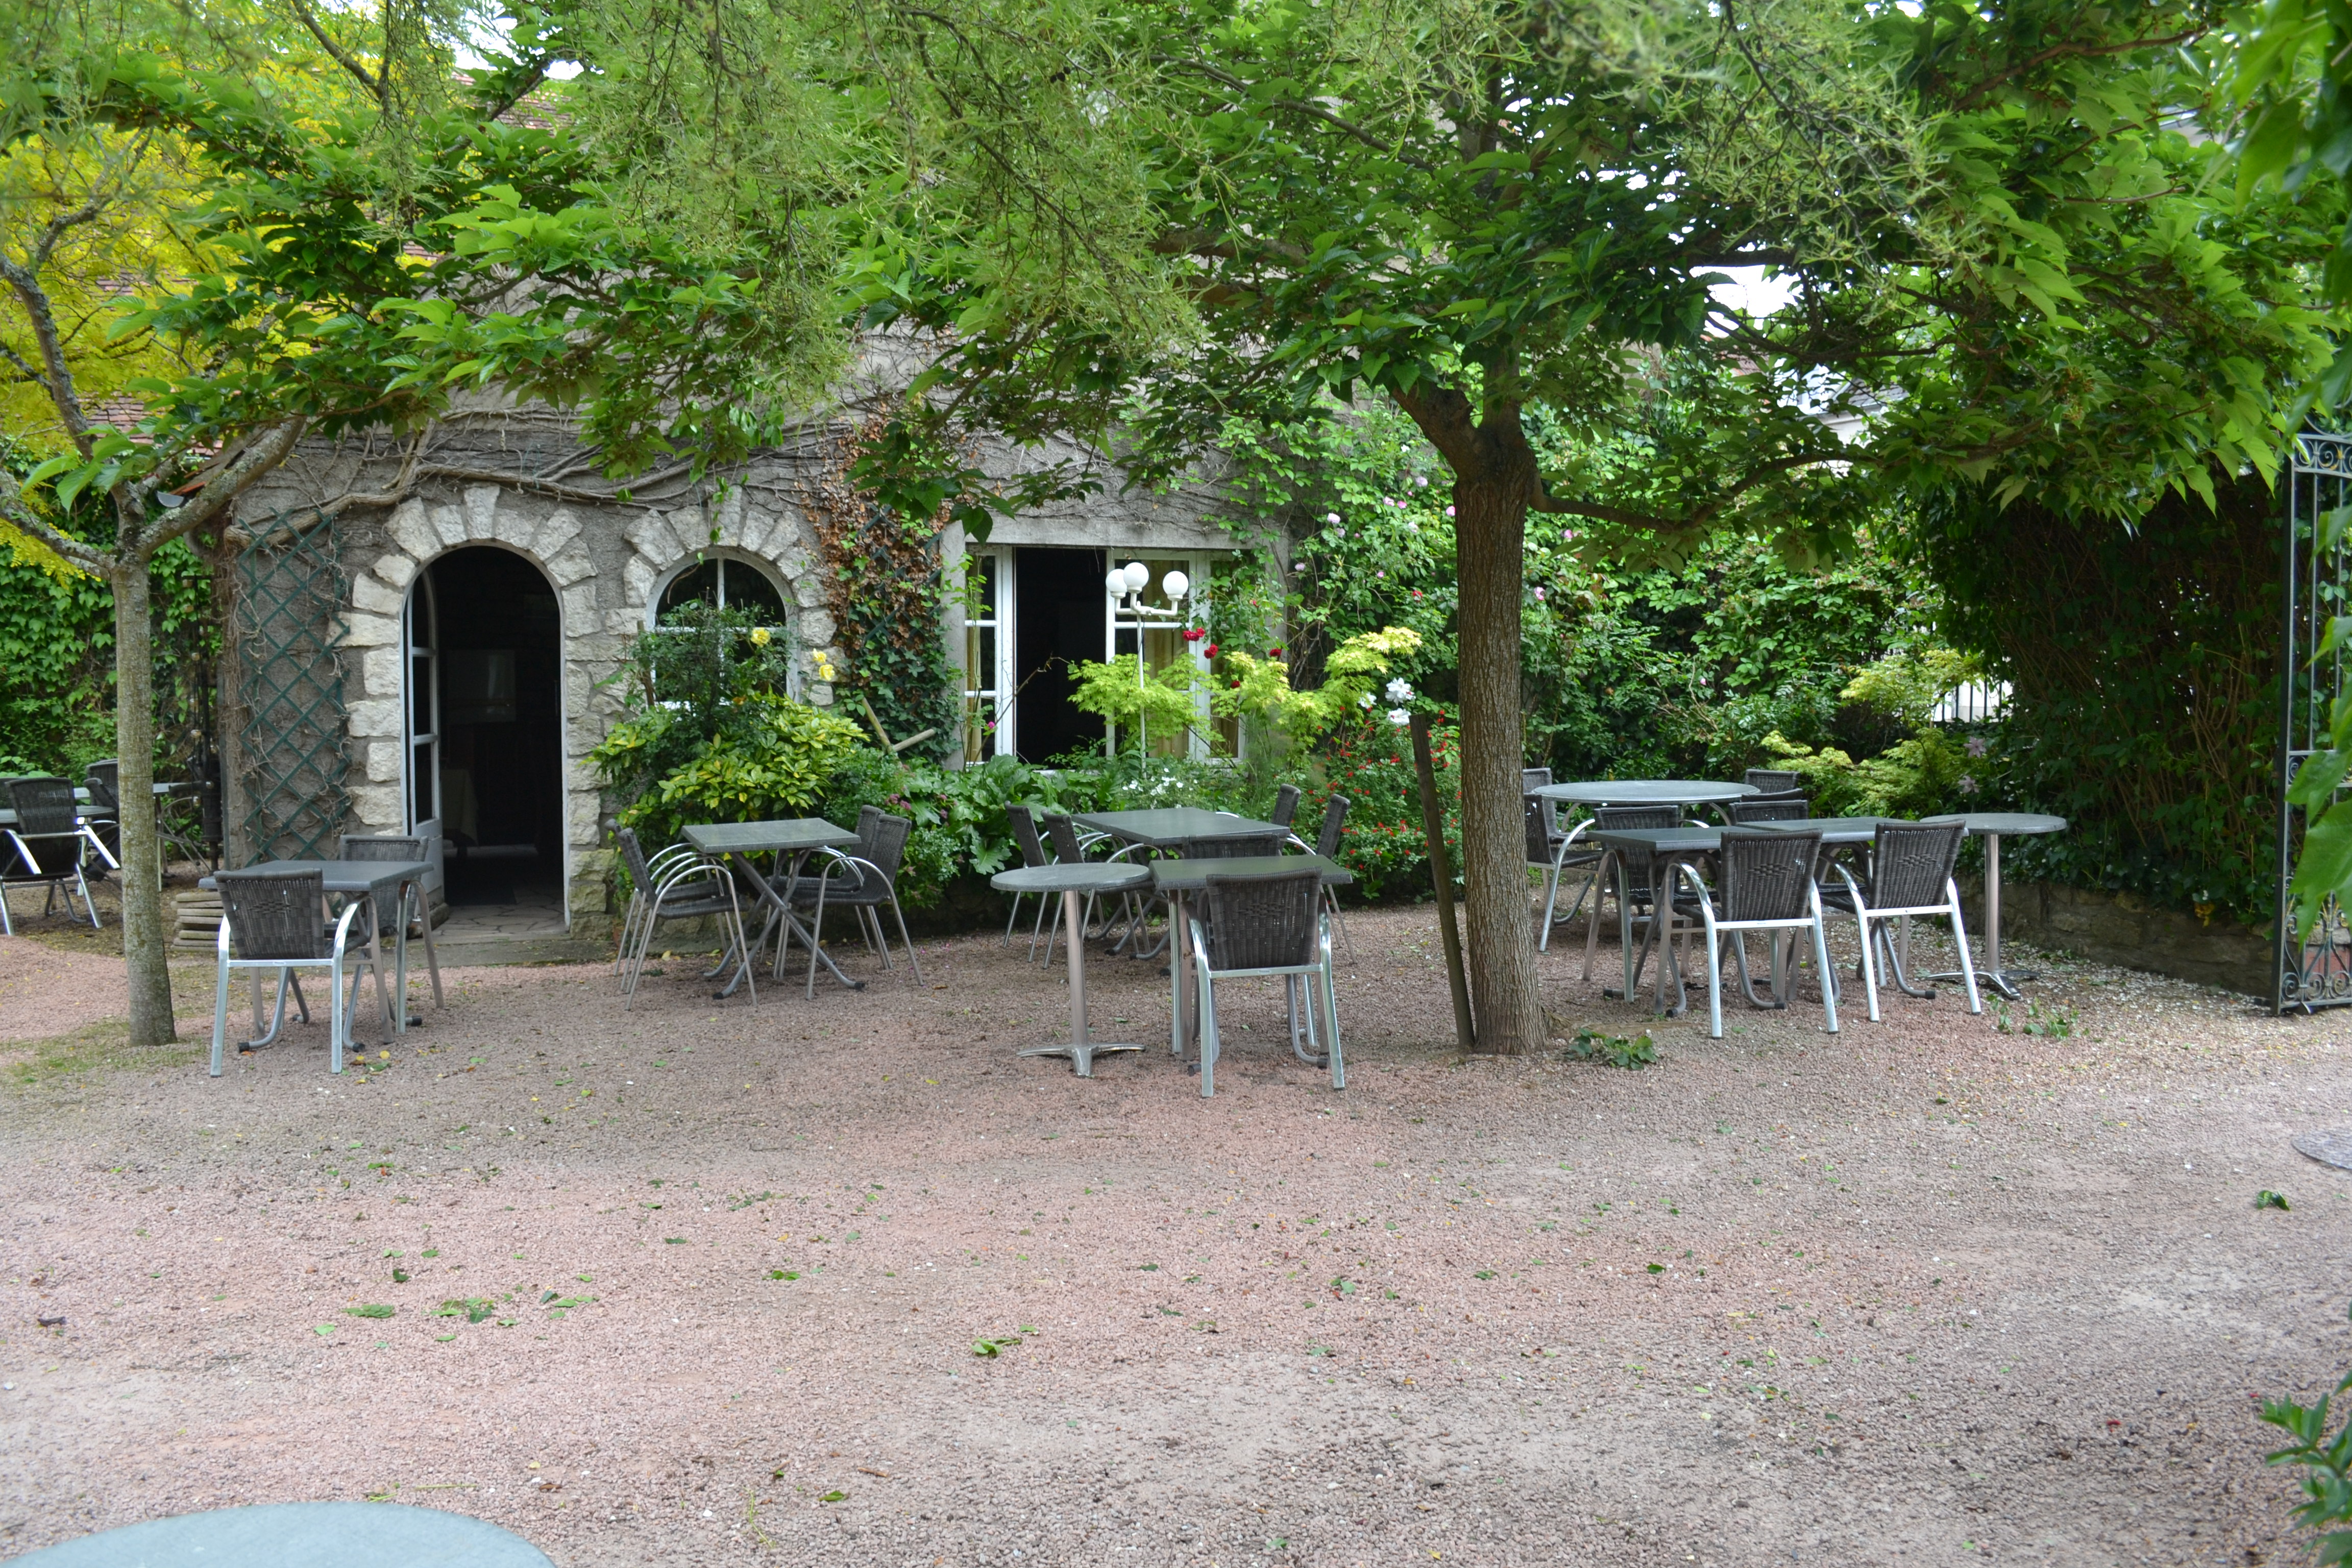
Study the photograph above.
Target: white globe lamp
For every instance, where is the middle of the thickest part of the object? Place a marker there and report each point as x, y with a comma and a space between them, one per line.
1139, 577
1115, 584
1175, 586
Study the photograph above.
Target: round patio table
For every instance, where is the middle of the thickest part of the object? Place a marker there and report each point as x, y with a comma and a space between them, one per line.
299, 1535
1644, 792
1992, 826
1075, 881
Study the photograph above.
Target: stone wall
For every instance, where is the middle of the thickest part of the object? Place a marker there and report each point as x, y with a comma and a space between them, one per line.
2122, 930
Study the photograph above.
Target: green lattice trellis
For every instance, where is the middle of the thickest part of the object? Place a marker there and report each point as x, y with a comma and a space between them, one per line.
291, 685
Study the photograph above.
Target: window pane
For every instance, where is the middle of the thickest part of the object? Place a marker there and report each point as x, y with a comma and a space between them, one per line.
980, 587
749, 590
978, 657
701, 581
420, 694
979, 728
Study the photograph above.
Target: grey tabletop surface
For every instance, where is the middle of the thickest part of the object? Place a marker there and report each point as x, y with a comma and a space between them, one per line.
1693, 840
1071, 877
1642, 791
2004, 821
299, 1535
341, 876
1175, 824
1191, 876
785, 834
1833, 829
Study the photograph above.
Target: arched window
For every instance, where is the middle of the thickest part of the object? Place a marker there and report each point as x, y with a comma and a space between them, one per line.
730, 584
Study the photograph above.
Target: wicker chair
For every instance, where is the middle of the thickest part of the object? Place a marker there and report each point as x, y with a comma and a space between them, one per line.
1773, 781
103, 815
688, 889
1630, 874
1556, 853
1250, 927
1768, 808
1285, 806
1032, 853
47, 845
277, 922
641, 890
864, 882
1910, 874
1327, 844
1768, 886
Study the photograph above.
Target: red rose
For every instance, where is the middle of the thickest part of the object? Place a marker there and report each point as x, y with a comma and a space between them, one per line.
1211, 650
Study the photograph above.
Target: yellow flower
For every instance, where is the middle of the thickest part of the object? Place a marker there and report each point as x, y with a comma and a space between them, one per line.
759, 637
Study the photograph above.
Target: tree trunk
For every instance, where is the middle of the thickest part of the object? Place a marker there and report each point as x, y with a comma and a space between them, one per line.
1490, 514
134, 747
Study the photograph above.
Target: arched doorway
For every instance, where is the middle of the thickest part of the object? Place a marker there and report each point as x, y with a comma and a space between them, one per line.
485, 719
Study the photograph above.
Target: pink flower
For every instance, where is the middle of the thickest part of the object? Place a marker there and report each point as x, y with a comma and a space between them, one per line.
1539, 596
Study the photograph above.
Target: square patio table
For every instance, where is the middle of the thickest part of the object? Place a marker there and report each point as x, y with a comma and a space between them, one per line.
1173, 879
1164, 827
368, 880
798, 837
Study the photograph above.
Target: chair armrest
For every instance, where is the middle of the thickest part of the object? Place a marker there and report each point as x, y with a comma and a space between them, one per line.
343, 926
99, 845
1706, 899
24, 853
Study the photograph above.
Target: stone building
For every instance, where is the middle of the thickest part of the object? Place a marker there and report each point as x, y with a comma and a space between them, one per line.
443, 665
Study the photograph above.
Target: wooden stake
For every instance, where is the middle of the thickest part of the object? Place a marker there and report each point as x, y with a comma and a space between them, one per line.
1433, 822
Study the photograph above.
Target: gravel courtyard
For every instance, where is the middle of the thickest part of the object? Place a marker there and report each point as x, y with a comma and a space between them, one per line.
849, 1281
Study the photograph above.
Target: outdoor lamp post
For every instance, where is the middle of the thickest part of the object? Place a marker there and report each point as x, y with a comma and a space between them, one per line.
1126, 585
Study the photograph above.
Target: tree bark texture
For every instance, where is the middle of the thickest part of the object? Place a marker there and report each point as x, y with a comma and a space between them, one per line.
144, 950
1494, 477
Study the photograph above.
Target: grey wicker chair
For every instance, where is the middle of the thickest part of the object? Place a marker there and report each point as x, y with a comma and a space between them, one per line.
278, 923
1773, 781
47, 847
688, 889
1032, 853
1556, 854
1910, 874
1327, 844
864, 882
103, 815
1630, 875
1768, 808
1285, 806
641, 888
1249, 927
1768, 887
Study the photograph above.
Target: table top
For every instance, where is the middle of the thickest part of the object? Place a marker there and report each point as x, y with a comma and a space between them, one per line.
785, 835
2004, 821
1833, 829
1191, 875
340, 876
1642, 791
1071, 877
300, 1535
1176, 824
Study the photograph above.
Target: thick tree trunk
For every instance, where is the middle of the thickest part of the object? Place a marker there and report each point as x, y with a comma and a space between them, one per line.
134, 747
1490, 536
1494, 479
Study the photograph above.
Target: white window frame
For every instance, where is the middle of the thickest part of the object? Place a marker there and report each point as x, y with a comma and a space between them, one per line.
420, 664
1196, 565
748, 562
994, 684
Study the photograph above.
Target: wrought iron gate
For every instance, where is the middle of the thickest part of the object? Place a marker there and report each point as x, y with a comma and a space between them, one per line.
2318, 578
289, 624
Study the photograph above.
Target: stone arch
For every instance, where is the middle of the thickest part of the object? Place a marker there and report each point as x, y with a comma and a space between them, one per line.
659, 542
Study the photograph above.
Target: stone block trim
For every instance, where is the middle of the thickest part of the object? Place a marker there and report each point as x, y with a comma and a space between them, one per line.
601, 609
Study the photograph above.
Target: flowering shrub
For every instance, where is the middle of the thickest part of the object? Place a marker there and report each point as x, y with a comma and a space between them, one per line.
1385, 844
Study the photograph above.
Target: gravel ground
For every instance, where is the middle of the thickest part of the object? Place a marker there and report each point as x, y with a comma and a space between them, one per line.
47, 990
1924, 1292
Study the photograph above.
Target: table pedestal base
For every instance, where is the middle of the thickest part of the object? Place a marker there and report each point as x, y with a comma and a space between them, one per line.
1080, 1052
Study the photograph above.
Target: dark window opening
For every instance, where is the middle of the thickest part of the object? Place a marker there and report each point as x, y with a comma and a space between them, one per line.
502, 726
1057, 618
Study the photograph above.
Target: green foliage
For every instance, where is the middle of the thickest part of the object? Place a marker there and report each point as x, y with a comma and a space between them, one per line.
1632, 1053
1163, 702
1260, 688
1386, 844
2326, 1459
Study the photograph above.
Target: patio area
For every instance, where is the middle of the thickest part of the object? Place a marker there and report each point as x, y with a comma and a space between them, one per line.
847, 1280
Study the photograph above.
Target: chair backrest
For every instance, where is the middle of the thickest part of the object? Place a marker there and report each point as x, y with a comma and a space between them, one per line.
1335, 821
1530, 780
1024, 834
889, 845
1285, 805
384, 849
1764, 808
1534, 778
1263, 923
274, 916
1537, 815
1064, 833
1911, 862
1614, 818
1767, 876
1773, 780
633, 856
44, 807
104, 780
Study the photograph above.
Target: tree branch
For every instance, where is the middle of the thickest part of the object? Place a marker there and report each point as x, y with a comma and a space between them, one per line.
374, 83
22, 518
58, 380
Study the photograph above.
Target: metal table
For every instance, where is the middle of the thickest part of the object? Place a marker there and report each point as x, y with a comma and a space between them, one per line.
1642, 791
1075, 881
368, 880
299, 1535
1671, 847
798, 837
1992, 826
1166, 827
1173, 879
